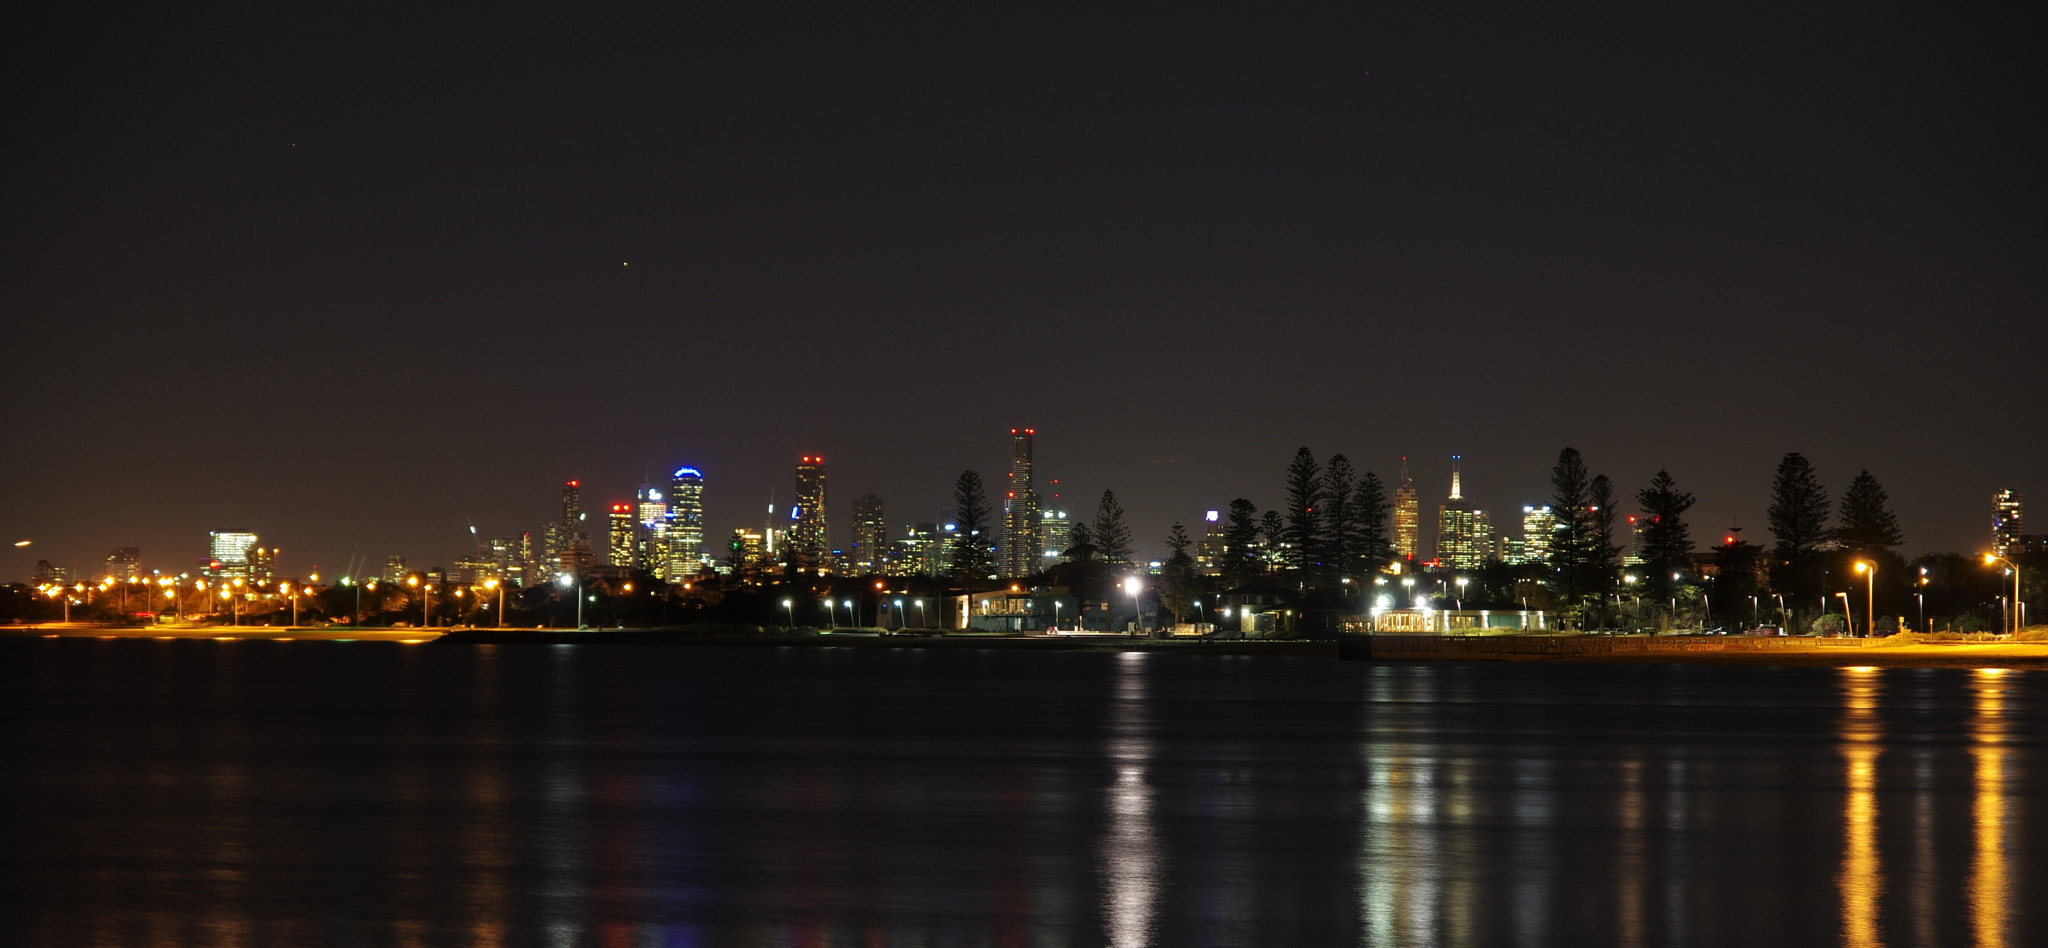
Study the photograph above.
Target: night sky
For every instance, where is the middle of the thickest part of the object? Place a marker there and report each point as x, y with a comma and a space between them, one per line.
352, 275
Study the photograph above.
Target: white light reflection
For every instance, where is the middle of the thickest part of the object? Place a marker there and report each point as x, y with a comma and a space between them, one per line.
1400, 858
1130, 847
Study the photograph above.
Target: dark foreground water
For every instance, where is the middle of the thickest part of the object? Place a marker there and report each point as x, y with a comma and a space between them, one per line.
309, 793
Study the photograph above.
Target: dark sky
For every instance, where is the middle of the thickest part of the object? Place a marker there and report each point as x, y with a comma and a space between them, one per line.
352, 274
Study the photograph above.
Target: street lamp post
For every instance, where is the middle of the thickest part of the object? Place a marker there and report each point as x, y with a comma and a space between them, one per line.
498, 585
789, 605
901, 620
566, 581
2013, 616
1132, 586
1846, 620
1055, 613
922, 622
427, 602
852, 617
1869, 570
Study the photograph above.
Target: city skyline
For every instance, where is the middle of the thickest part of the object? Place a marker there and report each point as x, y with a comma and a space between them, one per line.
316, 278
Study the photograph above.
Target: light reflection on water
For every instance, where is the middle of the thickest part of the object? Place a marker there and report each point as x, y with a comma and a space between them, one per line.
193, 793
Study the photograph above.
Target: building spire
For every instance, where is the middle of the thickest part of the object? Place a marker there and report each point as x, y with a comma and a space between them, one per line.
1456, 494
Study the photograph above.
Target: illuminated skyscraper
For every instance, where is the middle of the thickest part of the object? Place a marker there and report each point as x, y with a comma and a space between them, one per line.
650, 530
229, 553
1023, 523
1458, 528
1209, 550
685, 523
1407, 515
1059, 535
624, 531
810, 538
1538, 526
2006, 521
870, 535
568, 547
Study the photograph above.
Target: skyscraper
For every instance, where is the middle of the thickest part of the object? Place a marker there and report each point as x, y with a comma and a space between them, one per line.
1458, 528
1023, 526
870, 535
229, 553
810, 538
1209, 550
624, 530
685, 523
1539, 524
1407, 515
125, 563
650, 534
568, 546
2006, 521
1059, 535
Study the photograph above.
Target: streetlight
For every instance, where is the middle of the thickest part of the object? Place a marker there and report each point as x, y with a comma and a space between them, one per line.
1784, 618
1461, 593
427, 602
831, 613
1132, 586
900, 620
1845, 612
565, 581
1869, 597
1202, 615
2015, 616
790, 605
852, 617
1055, 613
921, 621
500, 587
1920, 600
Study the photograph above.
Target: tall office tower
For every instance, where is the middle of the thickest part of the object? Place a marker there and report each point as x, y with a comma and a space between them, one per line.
262, 564
228, 553
1209, 549
532, 570
1457, 528
2006, 521
565, 536
685, 523
1407, 515
394, 569
125, 563
1634, 556
809, 539
870, 536
623, 529
1059, 535
1539, 524
650, 530
1023, 521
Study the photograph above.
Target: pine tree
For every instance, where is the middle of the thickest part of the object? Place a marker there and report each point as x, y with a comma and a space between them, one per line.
1375, 538
1179, 586
1868, 525
1339, 519
1273, 531
1112, 538
973, 551
1603, 555
1304, 494
1799, 520
1569, 544
1240, 543
1667, 542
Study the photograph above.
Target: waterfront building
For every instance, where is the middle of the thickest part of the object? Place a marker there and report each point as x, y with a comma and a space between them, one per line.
809, 538
1023, 519
1407, 515
125, 563
2007, 522
870, 535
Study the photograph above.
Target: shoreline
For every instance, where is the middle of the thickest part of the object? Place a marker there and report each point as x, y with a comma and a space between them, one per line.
1570, 649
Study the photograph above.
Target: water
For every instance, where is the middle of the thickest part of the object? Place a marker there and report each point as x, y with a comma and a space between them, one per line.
311, 793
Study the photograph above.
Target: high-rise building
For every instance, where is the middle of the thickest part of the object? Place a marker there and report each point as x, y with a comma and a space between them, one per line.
125, 563
1407, 515
685, 523
1458, 533
394, 569
1059, 535
810, 537
1539, 525
650, 530
2006, 521
624, 530
1023, 521
228, 553
870, 535
917, 554
1209, 549
568, 547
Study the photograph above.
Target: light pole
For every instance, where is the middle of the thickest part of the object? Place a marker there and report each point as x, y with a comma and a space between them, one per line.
1869, 570
1920, 600
1756, 613
831, 613
852, 617
500, 587
2013, 617
1055, 613
427, 602
922, 623
901, 620
1784, 618
566, 581
1132, 586
1845, 613
789, 605
1202, 615
1461, 593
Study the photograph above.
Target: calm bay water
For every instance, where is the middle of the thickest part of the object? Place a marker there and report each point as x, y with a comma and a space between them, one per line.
312, 793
